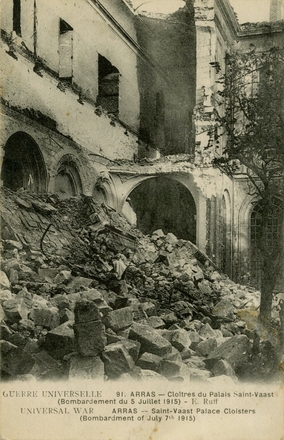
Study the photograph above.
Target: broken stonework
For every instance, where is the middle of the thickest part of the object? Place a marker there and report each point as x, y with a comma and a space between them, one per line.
117, 360
133, 348
85, 311
86, 367
15, 361
155, 322
88, 329
119, 319
169, 368
207, 332
224, 309
14, 310
180, 339
90, 338
203, 348
4, 281
47, 317
235, 350
149, 339
60, 341
223, 367
45, 366
149, 308
149, 361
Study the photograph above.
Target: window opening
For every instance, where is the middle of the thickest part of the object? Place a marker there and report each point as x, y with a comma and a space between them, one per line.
65, 51
17, 17
108, 97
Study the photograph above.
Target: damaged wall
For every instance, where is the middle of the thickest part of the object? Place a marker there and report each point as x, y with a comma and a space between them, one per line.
167, 81
39, 86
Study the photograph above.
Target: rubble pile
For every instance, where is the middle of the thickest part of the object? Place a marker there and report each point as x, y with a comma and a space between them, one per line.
86, 295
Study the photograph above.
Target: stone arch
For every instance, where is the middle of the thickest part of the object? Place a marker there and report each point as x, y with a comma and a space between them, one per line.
67, 182
23, 164
105, 189
162, 202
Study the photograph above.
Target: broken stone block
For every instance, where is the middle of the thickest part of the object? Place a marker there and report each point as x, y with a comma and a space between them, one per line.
151, 375
66, 315
62, 277
169, 368
180, 339
195, 362
14, 310
117, 360
85, 311
203, 348
26, 297
226, 333
119, 319
5, 295
60, 341
155, 322
198, 275
149, 308
149, 339
133, 348
14, 360
171, 238
224, 309
47, 317
13, 276
235, 350
223, 367
157, 234
42, 207
45, 366
90, 337
79, 283
175, 355
48, 273
169, 318
195, 338
149, 361
182, 376
4, 281
61, 302
86, 368
5, 332
197, 375
207, 332
204, 287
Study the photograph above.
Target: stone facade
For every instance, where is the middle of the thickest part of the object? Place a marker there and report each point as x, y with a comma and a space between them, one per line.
102, 101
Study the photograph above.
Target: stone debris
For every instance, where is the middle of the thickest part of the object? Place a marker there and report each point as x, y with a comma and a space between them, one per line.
86, 295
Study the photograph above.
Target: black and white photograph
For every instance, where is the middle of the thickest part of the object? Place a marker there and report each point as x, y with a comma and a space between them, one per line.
142, 219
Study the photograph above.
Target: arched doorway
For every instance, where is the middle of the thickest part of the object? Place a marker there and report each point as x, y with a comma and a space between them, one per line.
162, 203
23, 164
67, 181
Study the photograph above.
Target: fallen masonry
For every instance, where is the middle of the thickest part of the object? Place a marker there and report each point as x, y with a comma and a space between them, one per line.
86, 295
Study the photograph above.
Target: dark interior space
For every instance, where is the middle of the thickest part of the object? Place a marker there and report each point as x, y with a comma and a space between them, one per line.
162, 203
23, 164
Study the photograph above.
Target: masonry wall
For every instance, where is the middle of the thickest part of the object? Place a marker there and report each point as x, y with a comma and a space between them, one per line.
93, 34
167, 80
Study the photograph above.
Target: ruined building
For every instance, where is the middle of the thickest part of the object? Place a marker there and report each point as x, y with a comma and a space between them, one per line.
102, 99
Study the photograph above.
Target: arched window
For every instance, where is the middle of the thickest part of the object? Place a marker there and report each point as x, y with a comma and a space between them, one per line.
23, 164
68, 182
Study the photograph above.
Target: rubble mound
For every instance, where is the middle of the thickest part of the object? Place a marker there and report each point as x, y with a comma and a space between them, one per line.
86, 295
